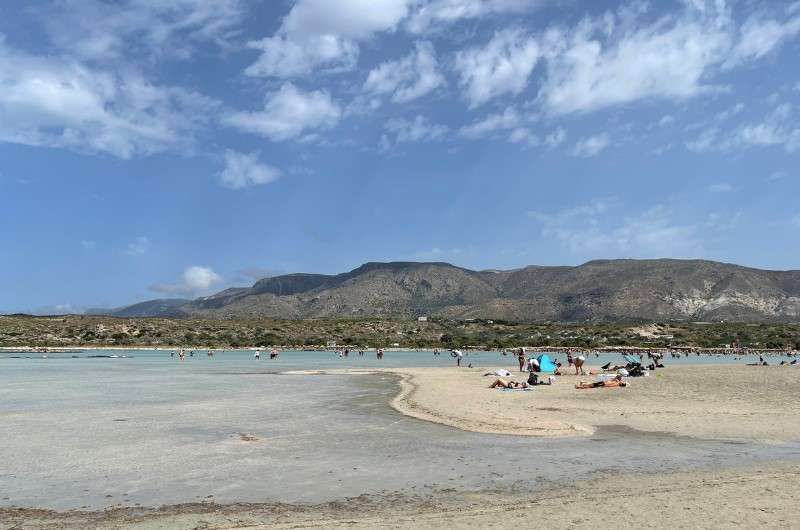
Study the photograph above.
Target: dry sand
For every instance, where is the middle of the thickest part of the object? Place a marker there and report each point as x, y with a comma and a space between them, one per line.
703, 401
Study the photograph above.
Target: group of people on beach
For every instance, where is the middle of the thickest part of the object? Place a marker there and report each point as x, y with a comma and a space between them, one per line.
612, 377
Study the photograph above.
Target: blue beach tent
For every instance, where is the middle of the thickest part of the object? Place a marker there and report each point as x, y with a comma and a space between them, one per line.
546, 365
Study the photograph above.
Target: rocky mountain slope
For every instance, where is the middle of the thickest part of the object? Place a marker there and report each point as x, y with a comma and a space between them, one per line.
597, 290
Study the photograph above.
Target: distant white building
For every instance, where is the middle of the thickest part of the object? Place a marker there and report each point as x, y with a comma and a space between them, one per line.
422, 319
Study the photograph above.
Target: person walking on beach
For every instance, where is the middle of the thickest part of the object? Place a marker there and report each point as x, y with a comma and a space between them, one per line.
458, 355
579, 360
521, 359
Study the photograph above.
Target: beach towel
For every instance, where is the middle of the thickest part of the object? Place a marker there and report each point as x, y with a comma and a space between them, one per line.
546, 365
516, 389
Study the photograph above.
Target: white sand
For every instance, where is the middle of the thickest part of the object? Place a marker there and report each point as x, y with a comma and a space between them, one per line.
709, 401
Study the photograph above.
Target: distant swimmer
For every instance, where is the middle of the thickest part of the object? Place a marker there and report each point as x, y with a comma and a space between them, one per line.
181, 354
172, 354
273, 354
191, 353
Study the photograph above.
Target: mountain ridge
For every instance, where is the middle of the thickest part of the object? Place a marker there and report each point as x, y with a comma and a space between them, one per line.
598, 290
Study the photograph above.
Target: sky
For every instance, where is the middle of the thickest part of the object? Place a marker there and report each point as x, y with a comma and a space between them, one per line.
174, 148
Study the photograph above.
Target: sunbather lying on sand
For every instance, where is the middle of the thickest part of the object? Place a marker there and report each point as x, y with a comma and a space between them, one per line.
499, 373
502, 383
616, 382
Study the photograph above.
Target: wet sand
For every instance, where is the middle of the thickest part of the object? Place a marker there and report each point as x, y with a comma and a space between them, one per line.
746, 497
709, 402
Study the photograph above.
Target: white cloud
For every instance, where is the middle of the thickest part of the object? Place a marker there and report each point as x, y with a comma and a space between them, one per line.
591, 145
409, 78
416, 130
320, 34
729, 113
722, 187
200, 278
283, 56
243, 170
615, 60
666, 120
434, 12
776, 129
523, 135
99, 30
760, 35
138, 246
588, 230
287, 114
196, 280
555, 138
57, 102
501, 67
508, 119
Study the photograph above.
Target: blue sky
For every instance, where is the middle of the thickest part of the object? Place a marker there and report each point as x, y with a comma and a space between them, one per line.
172, 148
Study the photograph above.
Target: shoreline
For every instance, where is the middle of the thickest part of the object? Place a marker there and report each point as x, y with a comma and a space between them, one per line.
680, 351
704, 401
761, 495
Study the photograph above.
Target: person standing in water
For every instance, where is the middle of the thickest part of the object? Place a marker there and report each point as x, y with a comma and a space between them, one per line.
521, 359
379, 355
257, 355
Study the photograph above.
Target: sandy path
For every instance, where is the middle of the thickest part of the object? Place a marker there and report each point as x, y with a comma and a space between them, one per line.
715, 402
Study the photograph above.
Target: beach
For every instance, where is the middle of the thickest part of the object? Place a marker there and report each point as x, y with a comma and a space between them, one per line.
150, 442
702, 401
749, 497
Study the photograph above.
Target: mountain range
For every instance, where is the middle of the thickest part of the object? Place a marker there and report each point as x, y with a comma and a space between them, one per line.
602, 290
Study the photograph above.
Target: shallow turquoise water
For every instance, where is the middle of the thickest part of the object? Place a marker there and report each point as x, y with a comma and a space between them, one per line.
311, 360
